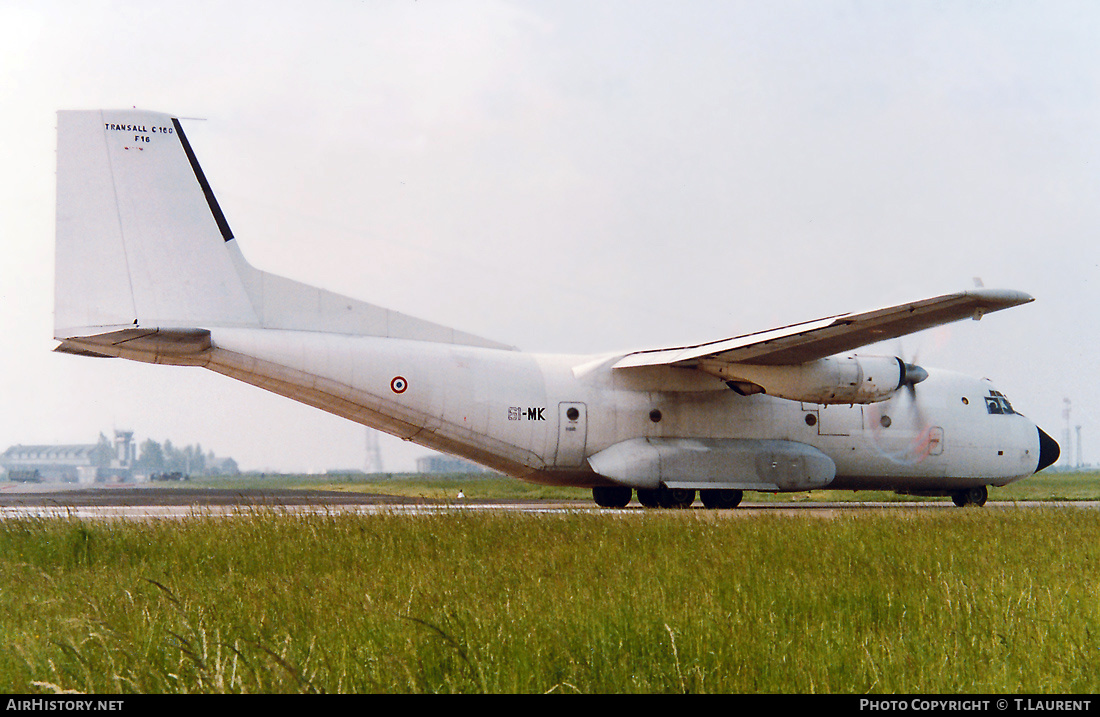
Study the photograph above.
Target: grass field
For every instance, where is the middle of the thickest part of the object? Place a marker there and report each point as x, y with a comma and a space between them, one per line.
958, 600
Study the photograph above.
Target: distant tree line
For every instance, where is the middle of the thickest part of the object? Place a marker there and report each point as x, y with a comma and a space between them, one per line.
189, 460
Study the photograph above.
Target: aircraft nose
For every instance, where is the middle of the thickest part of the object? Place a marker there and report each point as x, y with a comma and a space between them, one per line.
1048, 450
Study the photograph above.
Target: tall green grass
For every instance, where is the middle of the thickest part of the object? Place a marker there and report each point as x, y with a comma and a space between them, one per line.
680, 601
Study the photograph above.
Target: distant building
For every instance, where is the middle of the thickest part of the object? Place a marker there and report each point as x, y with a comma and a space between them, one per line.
83, 463
440, 463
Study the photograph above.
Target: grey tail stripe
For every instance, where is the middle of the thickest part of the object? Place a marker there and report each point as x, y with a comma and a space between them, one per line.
216, 210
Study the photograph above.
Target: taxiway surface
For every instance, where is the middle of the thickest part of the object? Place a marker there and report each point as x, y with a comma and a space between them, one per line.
179, 502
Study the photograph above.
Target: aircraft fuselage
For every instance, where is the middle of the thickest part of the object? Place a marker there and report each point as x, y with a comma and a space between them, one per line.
540, 417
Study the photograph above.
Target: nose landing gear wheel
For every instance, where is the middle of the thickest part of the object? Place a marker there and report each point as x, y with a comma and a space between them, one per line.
970, 496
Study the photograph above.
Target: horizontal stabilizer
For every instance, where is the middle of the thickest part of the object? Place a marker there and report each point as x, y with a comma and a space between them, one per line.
169, 346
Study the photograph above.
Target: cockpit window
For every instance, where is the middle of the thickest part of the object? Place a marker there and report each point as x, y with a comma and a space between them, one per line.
996, 403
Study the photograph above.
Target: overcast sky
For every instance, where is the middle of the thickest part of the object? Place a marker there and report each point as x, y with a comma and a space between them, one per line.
578, 177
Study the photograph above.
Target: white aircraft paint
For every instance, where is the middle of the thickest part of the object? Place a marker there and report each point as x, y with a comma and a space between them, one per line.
148, 269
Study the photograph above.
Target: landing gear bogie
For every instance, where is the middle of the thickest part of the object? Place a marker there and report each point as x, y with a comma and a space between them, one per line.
664, 497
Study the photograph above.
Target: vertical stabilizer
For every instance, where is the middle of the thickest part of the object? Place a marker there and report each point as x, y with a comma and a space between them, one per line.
140, 238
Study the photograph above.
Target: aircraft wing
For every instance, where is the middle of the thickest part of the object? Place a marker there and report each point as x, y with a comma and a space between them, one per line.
811, 340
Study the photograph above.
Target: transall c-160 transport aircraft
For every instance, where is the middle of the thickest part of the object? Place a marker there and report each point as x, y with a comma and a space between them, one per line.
148, 269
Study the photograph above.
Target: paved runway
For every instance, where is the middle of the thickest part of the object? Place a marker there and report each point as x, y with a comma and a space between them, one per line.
45, 494
182, 502
152, 502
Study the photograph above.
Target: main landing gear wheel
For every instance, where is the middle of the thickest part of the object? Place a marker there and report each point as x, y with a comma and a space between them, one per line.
721, 498
649, 497
970, 496
676, 497
666, 497
616, 496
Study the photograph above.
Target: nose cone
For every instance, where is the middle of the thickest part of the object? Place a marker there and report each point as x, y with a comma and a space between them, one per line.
1048, 450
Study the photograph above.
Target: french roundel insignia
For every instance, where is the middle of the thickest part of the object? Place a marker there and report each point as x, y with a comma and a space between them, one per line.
399, 384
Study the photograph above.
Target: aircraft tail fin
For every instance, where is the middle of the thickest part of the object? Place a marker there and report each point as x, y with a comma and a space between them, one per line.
140, 237
143, 248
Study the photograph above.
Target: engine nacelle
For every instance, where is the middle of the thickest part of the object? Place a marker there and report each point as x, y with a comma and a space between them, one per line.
835, 379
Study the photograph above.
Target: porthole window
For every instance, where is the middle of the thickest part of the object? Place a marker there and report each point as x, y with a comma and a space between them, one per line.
655, 416
811, 419
966, 401
572, 413
885, 421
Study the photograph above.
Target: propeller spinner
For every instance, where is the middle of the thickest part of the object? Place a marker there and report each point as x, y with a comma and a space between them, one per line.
911, 374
